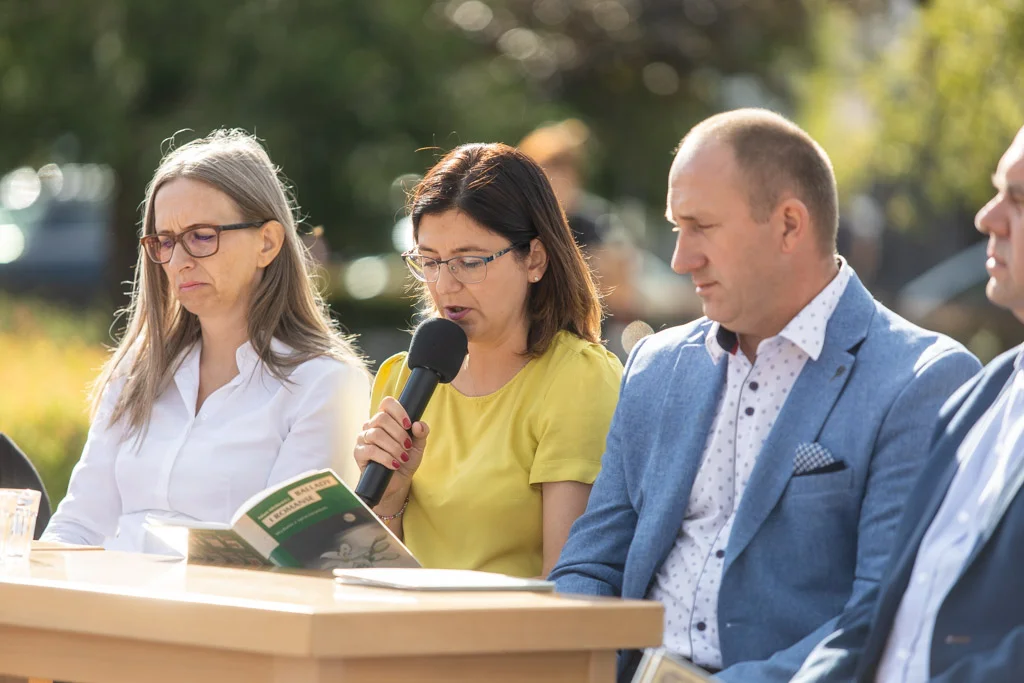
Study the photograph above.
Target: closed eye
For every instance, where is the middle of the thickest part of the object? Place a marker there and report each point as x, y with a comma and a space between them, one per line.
700, 227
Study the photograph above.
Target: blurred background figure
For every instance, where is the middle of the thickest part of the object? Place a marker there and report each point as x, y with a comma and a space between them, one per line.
561, 150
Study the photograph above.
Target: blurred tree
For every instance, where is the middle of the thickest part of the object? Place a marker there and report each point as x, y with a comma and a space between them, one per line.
342, 93
642, 72
345, 93
918, 104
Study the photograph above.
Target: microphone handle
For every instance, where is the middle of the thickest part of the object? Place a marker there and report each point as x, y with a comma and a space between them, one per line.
417, 392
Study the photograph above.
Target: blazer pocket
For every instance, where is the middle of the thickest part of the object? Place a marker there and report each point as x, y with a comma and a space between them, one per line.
834, 466
831, 481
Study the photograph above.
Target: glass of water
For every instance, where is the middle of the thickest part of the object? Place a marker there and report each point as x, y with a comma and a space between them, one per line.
18, 510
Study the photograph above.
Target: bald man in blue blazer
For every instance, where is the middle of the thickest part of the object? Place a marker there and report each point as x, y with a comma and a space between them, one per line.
759, 457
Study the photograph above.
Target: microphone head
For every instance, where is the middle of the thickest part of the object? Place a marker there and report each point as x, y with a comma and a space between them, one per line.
438, 345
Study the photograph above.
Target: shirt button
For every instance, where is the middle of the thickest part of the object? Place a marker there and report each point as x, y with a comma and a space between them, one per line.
963, 517
753, 386
720, 554
922, 577
903, 654
701, 626
749, 411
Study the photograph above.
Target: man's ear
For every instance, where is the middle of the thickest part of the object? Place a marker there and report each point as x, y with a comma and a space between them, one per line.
536, 261
793, 223
272, 236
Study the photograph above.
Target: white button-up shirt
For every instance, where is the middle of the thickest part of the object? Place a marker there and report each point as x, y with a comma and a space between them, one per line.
992, 449
688, 581
253, 432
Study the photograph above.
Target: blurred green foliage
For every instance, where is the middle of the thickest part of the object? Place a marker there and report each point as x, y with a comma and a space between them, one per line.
921, 105
350, 95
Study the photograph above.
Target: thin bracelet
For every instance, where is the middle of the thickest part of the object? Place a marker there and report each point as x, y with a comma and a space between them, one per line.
388, 518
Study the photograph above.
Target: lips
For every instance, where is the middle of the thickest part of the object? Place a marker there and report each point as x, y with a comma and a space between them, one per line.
993, 260
190, 286
456, 313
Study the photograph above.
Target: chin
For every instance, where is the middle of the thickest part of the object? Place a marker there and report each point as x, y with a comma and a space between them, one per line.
196, 306
714, 313
1000, 295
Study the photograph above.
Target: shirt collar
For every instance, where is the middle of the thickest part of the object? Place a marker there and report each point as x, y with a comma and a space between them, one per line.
807, 328
247, 359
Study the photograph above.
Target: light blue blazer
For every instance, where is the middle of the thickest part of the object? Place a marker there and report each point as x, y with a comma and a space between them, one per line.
803, 549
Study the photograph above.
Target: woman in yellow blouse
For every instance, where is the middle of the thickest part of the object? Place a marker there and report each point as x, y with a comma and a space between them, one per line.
515, 441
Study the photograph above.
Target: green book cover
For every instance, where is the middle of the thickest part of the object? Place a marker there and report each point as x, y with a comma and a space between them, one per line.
313, 521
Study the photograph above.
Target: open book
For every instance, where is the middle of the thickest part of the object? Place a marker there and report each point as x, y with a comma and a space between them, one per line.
659, 666
313, 521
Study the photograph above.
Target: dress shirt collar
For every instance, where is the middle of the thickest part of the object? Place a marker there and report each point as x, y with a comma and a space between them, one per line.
806, 330
186, 377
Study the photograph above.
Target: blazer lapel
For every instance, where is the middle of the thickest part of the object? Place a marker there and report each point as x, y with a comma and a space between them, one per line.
931, 487
1015, 480
687, 413
1013, 485
811, 400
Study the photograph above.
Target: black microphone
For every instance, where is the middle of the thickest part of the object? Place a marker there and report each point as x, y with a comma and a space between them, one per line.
435, 355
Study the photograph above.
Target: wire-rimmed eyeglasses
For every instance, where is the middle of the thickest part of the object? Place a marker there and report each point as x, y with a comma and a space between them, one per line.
199, 241
468, 270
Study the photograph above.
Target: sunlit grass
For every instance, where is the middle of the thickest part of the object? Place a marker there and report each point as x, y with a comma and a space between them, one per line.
48, 358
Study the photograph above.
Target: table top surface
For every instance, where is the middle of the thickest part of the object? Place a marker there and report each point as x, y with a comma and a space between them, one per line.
125, 595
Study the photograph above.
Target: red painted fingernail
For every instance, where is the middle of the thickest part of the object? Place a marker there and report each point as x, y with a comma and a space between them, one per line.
394, 463
405, 457
406, 423
408, 443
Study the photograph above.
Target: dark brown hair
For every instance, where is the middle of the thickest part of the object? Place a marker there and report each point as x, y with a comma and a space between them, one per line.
776, 156
506, 192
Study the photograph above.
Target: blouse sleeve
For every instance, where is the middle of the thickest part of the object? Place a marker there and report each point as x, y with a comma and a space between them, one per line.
90, 511
574, 417
328, 417
389, 380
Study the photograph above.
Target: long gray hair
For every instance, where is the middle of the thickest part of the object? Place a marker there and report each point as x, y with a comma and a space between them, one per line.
285, 303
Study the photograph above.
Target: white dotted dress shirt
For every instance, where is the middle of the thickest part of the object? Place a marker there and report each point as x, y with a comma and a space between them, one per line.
688, 581
991, 452
253, 432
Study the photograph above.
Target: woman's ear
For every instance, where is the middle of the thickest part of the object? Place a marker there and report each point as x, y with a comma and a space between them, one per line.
272, 236
536, 261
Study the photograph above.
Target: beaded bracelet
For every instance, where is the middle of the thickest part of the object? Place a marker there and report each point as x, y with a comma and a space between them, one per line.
388, 518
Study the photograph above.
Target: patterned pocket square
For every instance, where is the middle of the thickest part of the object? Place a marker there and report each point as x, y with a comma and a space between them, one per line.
813, 458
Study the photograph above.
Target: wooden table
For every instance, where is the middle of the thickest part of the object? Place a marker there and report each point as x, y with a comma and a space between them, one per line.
104, 617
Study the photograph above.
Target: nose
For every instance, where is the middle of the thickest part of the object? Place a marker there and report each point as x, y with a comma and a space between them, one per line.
179, 258
687, 257
992, 219
446, 282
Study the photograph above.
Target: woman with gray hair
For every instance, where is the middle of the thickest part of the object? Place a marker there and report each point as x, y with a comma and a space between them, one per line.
231, 376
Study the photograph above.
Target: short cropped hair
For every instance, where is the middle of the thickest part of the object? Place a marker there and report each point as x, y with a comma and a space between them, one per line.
775, 156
